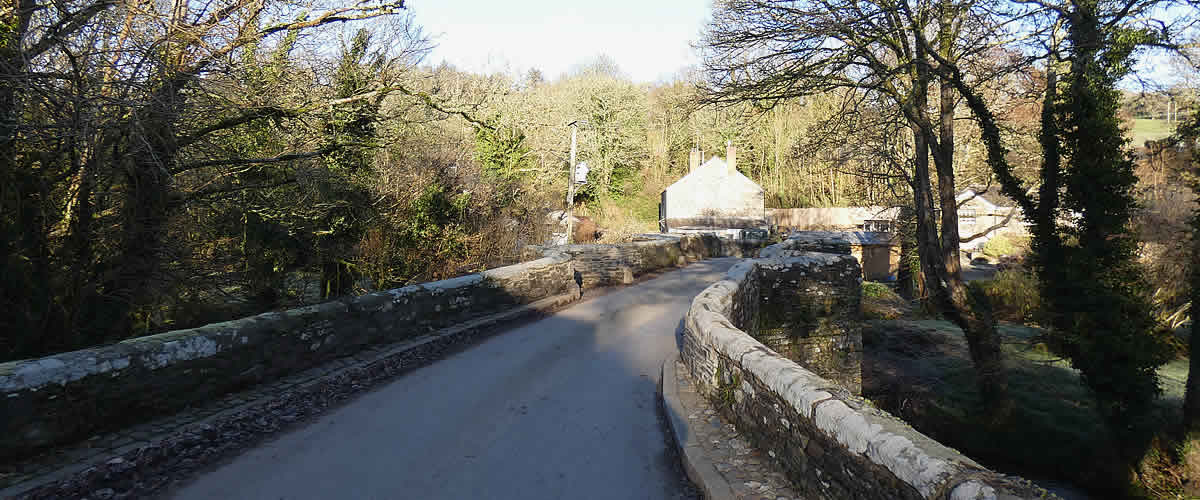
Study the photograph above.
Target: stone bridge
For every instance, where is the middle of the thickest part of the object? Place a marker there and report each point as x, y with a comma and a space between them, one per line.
564, 404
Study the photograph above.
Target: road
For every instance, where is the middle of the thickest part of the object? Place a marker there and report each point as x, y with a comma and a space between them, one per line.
564, 407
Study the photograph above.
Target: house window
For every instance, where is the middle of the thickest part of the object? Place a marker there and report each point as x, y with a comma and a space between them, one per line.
877, 225
966, 216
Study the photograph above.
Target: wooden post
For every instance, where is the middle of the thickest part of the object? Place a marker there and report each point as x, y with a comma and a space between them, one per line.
571, 184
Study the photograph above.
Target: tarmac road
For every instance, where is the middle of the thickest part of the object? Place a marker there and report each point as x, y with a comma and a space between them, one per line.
563, 407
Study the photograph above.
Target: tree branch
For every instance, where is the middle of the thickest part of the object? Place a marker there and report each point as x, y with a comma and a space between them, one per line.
259, 161
1007, 219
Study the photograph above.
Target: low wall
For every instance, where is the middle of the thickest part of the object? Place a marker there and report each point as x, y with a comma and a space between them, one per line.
828, 217
615, 264
72, 395
878, 253
831, 444
808, 313
716, 221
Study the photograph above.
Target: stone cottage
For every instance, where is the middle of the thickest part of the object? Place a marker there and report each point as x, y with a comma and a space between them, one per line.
988, 213
713, 197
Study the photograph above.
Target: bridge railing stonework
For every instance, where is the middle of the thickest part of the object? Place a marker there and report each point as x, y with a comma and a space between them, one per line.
616, 264
832, 444
68, 396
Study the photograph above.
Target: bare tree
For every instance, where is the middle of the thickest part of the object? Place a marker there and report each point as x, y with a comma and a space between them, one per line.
767, 52
104, 104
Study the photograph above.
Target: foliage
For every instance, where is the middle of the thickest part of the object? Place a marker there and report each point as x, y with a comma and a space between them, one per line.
501, 151
1188, 134
922, 374
622, 217
1092, 290
768, 53
614, 138
1006, 245
873, 290
157, 117
1113, 343
879, 301
432, 229
1014, 296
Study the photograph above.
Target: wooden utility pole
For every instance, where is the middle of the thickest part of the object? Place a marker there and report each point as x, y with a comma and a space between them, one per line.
571, 183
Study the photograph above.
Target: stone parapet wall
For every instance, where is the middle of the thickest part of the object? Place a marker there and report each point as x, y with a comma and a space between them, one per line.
752, 222
71, 395
818, 304
836, 242
620, 263
831, 444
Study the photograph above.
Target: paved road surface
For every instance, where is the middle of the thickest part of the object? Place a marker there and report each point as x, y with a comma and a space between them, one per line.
564, 407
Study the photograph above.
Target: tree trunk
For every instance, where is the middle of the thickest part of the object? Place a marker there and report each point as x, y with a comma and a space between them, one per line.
940, 256
1191, 397
976, 321
1048, 258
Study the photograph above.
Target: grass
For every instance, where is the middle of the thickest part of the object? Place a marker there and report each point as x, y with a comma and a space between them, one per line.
619, 220
619, 217
873, 290
1149, 129
920, 370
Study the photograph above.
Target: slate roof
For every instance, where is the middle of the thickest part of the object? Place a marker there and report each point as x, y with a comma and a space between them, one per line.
852, 237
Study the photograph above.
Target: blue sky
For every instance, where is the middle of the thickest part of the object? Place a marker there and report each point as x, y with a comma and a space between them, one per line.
649, 39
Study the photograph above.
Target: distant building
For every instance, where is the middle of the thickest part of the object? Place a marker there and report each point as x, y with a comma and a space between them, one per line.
987, 213
713, 197
877, 252
983, 212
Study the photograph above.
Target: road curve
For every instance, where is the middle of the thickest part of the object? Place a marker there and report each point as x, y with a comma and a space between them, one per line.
564, 407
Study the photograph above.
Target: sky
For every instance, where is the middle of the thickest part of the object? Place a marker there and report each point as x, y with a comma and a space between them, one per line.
649, 39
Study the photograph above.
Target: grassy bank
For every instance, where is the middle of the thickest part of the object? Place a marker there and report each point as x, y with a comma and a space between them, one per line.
1149, 129
920, 370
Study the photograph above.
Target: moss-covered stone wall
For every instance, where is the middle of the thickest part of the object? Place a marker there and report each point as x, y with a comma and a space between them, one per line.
832, 444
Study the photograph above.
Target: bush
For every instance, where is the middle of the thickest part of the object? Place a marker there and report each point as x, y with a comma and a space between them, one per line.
873, 290
880, 302
1006, 244
1014, 296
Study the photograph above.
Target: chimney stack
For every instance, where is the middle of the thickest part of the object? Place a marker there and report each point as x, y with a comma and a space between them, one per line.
693, 159
731, 157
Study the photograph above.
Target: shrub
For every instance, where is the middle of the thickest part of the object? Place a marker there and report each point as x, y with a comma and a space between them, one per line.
873, 290
1014, 296
880, 302
1006, 244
